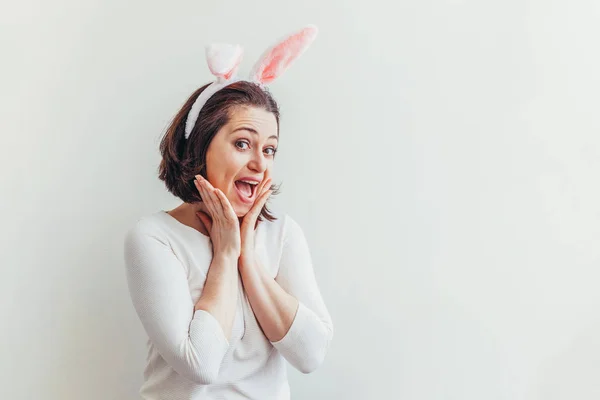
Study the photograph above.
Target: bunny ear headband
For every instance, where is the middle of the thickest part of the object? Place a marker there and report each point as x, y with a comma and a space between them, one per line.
223, 61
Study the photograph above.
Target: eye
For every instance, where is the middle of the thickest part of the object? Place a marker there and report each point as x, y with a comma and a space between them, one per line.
241, 141
245, 142
273, 151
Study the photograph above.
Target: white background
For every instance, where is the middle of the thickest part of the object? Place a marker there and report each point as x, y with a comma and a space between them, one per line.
442, 158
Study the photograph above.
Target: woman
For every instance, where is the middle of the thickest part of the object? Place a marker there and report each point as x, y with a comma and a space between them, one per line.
224, 289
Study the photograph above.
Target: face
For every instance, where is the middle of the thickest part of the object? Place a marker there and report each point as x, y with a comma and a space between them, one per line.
242, 150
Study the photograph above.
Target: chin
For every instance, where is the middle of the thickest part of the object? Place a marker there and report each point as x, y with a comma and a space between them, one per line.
241, 211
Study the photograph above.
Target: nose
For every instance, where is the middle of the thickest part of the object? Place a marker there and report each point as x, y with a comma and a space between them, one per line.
258, 162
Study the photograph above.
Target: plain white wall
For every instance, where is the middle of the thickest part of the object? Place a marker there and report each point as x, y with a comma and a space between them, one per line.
442, 158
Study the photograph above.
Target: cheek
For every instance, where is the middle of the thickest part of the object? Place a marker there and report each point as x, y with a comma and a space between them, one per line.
223, 168
232, 166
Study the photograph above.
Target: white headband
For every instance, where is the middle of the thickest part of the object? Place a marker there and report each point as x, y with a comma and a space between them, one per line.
223, 61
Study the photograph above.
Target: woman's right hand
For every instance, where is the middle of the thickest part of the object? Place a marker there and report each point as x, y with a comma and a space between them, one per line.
224, 227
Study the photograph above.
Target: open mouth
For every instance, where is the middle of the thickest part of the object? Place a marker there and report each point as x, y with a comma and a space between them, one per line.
246, 189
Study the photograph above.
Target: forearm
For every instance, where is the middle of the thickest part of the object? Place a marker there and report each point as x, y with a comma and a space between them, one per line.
219, 295
289, 307
273, 307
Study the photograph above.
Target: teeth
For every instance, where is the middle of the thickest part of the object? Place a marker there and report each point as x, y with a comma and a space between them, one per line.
250, 182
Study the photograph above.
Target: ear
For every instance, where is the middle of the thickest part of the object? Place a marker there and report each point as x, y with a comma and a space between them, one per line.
223, 59
278, 58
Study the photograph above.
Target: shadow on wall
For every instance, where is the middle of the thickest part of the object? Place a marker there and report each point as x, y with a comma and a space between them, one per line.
424, 345
462, 357
101, 356
574, 373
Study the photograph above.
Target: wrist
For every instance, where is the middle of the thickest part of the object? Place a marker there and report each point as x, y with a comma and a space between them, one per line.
247, 260
227, 258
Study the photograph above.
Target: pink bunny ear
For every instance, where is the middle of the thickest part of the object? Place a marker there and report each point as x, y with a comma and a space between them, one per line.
278, 57
223, 59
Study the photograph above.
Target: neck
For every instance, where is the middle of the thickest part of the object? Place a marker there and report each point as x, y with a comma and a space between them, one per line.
200, 206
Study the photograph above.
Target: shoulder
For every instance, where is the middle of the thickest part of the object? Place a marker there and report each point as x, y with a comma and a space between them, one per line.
148, 226
281, 230
289, 228
148, 243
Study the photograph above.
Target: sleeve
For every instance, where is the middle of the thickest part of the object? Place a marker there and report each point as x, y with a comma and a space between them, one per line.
192, 343
305, 344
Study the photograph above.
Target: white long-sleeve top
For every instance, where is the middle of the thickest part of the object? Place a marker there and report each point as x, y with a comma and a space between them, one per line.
189, 356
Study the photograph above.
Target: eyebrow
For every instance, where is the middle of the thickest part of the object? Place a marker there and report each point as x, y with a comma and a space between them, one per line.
244, 128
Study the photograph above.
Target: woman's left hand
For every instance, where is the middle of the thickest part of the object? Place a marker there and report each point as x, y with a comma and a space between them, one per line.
247, 229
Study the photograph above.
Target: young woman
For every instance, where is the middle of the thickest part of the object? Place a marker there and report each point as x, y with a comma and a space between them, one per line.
225, 290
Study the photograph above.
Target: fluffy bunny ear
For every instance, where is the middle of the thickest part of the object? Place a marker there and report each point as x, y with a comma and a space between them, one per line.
223, 59
278, 58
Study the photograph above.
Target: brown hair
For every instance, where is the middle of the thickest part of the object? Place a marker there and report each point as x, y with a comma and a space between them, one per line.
183, 159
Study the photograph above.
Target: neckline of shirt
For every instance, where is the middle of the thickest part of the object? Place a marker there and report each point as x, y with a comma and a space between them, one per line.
182, 225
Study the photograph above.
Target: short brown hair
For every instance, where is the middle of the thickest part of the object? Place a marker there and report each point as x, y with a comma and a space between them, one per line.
183, 159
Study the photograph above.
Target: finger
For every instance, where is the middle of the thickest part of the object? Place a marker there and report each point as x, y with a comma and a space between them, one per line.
267, 188
215, 204
199, 181
268, 177
263, 199
228, 210
264, 184
210, 192
264, 190
252, 215
206, 198
206, 181
202, 191
250, 220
